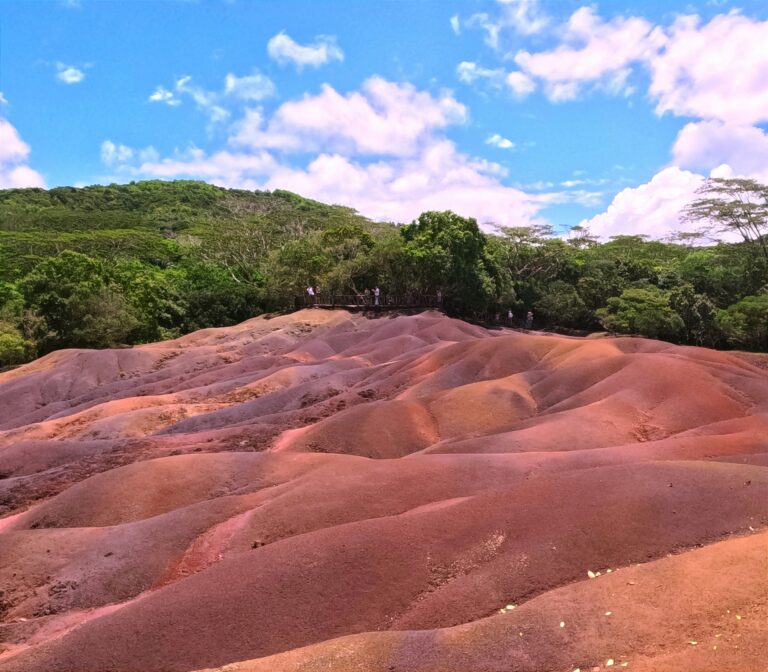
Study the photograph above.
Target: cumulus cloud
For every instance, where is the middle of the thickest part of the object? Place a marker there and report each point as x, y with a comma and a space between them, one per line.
381, 149
593, 52
14, 156
69, 74
384, 118
520, 83
714, 71
283, 49
223, 167
3, 99
499, 141
652, 209
455, 25
707, 145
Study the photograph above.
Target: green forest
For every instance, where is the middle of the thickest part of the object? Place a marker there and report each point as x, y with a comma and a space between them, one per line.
117, 265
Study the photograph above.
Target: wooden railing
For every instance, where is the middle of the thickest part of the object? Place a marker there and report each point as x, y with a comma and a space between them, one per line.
369, 301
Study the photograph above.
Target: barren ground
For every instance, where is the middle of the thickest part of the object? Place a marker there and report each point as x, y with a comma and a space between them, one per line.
323, 491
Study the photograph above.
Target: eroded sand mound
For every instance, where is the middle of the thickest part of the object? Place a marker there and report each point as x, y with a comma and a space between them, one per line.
324, 491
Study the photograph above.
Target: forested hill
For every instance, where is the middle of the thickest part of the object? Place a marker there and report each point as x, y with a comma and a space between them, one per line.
122, 264
143, 220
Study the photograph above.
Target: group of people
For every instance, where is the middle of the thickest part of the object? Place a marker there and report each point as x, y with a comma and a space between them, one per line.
374, 293
371, 296
528, 323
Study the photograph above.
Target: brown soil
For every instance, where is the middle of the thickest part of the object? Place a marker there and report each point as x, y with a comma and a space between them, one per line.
322, 491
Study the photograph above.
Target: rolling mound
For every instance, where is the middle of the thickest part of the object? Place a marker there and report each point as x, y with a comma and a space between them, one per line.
324, 491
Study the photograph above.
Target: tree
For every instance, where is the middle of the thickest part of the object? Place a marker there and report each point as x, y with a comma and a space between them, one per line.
14, 348
562, 305
79, 308
733, 205
746, 323
448, 254
644, 311
698, 312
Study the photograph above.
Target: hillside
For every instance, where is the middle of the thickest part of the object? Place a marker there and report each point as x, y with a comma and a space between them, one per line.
142, 220
117, 265
323, 491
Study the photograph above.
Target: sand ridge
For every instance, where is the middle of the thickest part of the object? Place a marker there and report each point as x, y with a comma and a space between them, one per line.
326, 491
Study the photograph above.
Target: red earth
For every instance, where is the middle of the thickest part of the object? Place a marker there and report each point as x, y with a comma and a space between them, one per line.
324, 491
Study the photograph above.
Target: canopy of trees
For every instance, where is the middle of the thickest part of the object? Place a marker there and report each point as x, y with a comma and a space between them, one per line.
123, 264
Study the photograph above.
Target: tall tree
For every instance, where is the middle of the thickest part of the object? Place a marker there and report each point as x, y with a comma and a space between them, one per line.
733, 205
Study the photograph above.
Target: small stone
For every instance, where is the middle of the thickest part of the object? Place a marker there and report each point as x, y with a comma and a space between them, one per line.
510, 607
738, 618
609, 662
693, 643
562, 624
591, 574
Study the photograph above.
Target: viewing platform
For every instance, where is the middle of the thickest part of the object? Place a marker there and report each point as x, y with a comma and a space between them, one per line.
361, 302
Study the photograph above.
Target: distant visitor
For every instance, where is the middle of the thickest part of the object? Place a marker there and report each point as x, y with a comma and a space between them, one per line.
529, 320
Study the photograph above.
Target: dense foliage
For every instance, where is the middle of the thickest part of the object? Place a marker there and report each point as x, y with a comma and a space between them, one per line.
122, 264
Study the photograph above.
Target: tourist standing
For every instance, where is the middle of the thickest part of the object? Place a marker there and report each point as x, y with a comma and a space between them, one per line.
376, 295
529, 320
311, 295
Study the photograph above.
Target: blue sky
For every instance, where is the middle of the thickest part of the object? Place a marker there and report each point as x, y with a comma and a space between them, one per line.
513, 111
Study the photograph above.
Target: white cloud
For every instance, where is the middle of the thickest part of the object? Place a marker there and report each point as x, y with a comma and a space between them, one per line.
3, 99
381, 149
439, 178
251, 87
714, 71
124, 159
652, 209
69, 74
385, 118
163, 95
707, 145
14, 155
498, 141
112, 154
520, 83
226, 168
469, 72
523, 16
593, 52
455, 25
283, 49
